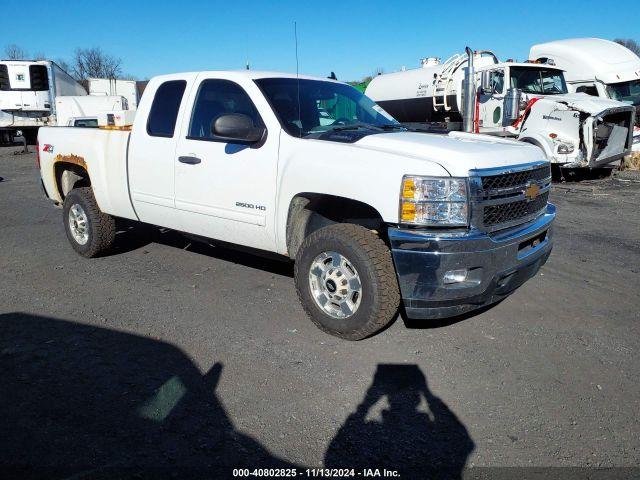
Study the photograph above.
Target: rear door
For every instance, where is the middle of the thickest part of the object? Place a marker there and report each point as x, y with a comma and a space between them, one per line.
226, 190
152, 152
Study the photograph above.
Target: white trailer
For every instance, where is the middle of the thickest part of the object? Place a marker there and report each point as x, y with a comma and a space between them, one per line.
87, 106
39, 93
596, 67
111, 86
27, 96
527, 101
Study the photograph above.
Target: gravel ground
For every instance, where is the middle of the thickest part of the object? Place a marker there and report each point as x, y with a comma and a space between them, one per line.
169, 356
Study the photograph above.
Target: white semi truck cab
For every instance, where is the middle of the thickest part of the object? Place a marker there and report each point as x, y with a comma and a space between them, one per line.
597, 67
375, 217
527, 101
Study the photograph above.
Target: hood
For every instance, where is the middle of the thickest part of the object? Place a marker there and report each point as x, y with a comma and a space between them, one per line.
582, 102
457, 152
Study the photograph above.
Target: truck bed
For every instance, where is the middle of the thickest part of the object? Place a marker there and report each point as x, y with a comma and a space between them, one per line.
102, 152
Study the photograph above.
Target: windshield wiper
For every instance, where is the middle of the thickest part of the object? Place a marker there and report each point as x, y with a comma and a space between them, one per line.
353, 126
392, 126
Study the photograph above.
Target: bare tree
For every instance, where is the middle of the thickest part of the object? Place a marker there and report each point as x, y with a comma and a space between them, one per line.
39, 56
14, 52
64, 65
93, 62
630, 44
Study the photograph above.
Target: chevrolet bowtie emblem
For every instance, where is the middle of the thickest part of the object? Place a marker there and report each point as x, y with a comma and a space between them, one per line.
531, 192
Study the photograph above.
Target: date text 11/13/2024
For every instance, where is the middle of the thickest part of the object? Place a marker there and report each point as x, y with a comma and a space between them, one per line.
316, 472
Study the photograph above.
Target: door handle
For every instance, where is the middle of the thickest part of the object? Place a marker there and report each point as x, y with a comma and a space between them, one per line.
189, 160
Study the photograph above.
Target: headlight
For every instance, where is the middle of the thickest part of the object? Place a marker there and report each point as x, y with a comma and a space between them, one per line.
434, 201
565, 148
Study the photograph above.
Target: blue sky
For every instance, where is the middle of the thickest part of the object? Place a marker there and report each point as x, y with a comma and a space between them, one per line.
352, 38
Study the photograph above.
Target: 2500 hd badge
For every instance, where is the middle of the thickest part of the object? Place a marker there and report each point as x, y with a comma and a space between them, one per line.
251, 206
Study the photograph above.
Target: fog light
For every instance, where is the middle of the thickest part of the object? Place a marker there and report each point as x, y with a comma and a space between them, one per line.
455, 276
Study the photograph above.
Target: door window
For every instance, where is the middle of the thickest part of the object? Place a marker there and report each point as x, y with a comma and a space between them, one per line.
164, 109
496, 78
216, 98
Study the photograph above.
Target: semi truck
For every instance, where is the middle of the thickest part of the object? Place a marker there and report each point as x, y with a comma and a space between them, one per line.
597, 67
38, 93
375, 217
527, 101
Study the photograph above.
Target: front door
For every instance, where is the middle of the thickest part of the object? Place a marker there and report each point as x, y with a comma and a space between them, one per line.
225, 190
492, 103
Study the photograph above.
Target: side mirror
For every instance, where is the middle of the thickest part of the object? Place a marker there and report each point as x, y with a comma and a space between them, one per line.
485, 83
512, 104
236, 128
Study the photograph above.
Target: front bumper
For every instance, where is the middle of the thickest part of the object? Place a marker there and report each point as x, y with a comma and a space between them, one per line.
497, 264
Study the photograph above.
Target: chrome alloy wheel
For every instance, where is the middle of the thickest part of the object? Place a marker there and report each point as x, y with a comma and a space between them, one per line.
335, 285
78, 224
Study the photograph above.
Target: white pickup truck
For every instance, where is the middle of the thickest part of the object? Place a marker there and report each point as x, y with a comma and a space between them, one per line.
372, 214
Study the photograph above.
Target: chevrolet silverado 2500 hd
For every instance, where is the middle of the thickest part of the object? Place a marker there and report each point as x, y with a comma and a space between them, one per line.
372, 214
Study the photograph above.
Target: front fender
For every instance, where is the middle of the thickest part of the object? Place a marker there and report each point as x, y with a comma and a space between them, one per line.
342, 170
539, 141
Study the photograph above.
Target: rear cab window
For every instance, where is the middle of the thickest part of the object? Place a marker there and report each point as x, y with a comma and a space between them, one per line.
164, 109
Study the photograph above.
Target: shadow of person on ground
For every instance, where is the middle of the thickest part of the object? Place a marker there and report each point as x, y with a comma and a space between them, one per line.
86, 402
400, 425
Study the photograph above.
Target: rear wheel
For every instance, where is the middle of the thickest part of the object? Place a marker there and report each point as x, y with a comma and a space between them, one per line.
89, 230
346, 281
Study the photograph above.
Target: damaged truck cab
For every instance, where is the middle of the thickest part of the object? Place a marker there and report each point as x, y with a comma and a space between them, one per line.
574, 130
597, 67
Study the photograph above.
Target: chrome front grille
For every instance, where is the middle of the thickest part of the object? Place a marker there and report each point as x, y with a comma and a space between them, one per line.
506, 197
506, 212
515, 179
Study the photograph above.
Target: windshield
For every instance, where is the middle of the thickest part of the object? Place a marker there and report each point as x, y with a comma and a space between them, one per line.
628, 92
538, 80
311, 108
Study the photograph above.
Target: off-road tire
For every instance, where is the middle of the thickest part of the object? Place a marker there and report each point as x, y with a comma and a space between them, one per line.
372, 259
101, 227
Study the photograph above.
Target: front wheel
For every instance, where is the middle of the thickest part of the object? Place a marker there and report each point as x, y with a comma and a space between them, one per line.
346, 282
89, 230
